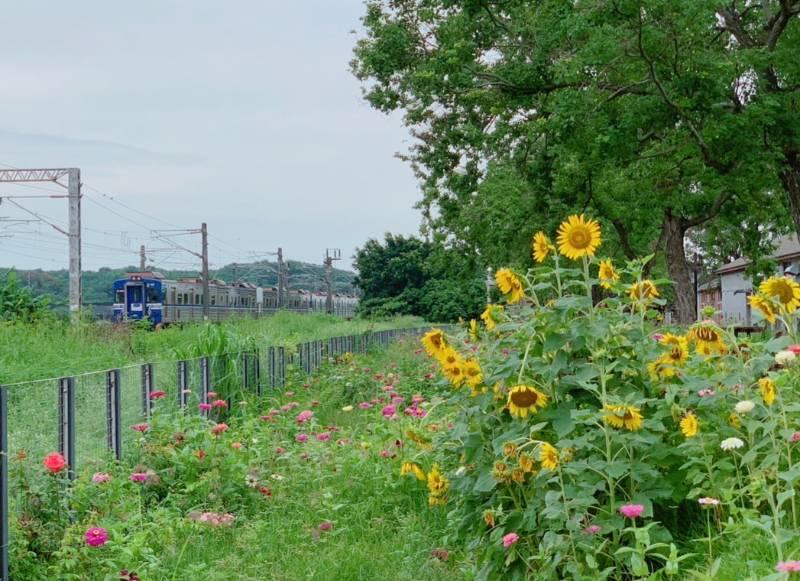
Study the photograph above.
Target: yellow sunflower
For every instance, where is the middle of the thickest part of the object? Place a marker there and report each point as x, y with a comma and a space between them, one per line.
623, 416
472, 373
473, 330
765, 306
643, 291
412, 468
524, 399
489, 316
607, 274
768, 390
661, 368
509, 284
678, 348
578, 237
455, 373
784, 289
690, 426
541, 247
707, 338
434, 342
526, 462
548, 456
735, 421
438, 484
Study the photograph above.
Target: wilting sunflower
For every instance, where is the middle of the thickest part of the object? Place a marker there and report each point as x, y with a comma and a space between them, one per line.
517, 475
419, 440
500, 471
524, 399
578, 237
473, 330
643, 291
489, 316
510, 450
678, 348
526, 462
434, 342
548, 456
690, 425
765, 306
707, 338
735, 421
623, 416
541, 247
412, 468
438, 484
488, 518
784, 289
607, 274
509, 284
768, 390
472, 373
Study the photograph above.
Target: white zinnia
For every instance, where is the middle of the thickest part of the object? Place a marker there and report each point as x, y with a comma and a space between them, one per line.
744, 407
708, 501
347, 408
784, 357
731, 444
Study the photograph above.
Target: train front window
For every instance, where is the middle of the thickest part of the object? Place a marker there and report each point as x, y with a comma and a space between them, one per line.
153, 295
120, 297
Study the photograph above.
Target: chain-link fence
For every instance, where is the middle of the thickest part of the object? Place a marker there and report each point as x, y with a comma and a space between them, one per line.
89, 417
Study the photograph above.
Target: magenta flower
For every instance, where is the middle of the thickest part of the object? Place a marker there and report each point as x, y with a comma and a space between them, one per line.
389, 412
96, 537
139, 477
140, 427
212, 394
301, 438
158, 394
705, 392
304, 416
510, 539
325, 526
324, 436
204, 407
279, 450
631, 510
788, 567
365, 405
592, 530
795, 437
657, 336
219, 403
101, 477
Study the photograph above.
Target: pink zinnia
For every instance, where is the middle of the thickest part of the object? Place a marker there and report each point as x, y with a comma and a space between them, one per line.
429, 376
212, 394
510, 539
788, 567
301, 438
139, 477
365, 405
324, 436
219, 429
325, 526
417, 399
236, 445
204, 407
657, 336
279, 450
631, 510
705, 392
101, 477
388, 387
796, 350
54, 462
158, 394
795, 437
96, 537
304, 416
285, 408
219, 403
140, 427
389, 412
592, 529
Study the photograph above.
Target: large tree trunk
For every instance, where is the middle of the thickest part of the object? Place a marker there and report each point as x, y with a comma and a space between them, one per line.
678, 268
790, 178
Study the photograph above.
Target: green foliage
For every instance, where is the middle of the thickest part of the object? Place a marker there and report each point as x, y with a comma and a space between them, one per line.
18, 303
406, 275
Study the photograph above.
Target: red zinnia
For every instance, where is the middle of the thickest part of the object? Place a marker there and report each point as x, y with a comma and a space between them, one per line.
219, 403
140, 427
219, 429
54, 462
157, 394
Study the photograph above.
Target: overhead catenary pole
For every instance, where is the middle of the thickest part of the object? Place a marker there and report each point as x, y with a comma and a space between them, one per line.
206, 293
142, 259
331, 254
281, 281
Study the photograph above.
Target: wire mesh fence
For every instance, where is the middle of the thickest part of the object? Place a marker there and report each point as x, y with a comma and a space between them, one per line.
93, 417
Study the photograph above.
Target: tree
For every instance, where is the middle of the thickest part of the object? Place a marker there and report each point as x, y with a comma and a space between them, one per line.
655, 116
18, 303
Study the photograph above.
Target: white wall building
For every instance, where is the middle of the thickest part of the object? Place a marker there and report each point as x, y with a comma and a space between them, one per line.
736, 286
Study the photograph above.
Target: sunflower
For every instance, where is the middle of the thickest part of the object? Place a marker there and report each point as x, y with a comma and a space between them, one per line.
472, 373
622, 416
509, 284
765, 306
661, 368
434, 342
784, 289
489, 316
488, 518
690, 425
448, 356
455, 373
578, 237
517, 475
768, 390
412, 468
526, 462
644, 290
548, 456
735, 421
473, 330
524, 399
541, 247
500, 471
707, 338
438, 484
679, 348
510, 450
419, 440
607, 274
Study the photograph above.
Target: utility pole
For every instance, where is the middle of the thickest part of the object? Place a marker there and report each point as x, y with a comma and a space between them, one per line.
142, 259
73, 188
281, 281
234, 272
206, 294
331, 254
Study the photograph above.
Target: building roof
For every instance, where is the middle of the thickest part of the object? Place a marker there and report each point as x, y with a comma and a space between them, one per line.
787, 247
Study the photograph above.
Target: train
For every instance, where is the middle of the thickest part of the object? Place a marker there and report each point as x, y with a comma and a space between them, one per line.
151, 297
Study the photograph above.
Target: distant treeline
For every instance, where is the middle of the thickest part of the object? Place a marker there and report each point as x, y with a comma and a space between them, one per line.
97, 284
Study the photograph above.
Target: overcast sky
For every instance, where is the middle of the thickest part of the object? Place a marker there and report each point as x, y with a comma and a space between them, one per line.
242, 114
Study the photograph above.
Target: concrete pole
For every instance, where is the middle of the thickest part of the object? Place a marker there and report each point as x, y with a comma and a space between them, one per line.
206, 292
74, 190
142, 259
281, 283
329, 283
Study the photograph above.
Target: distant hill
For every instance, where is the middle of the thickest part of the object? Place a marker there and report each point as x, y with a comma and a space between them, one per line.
97, 284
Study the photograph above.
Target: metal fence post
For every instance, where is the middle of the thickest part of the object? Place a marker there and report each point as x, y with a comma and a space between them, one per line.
258, 372
3, 484
204, 382
183, 385
282, 366
246, 370
113, 413
66, 422
271, 367
147, 387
